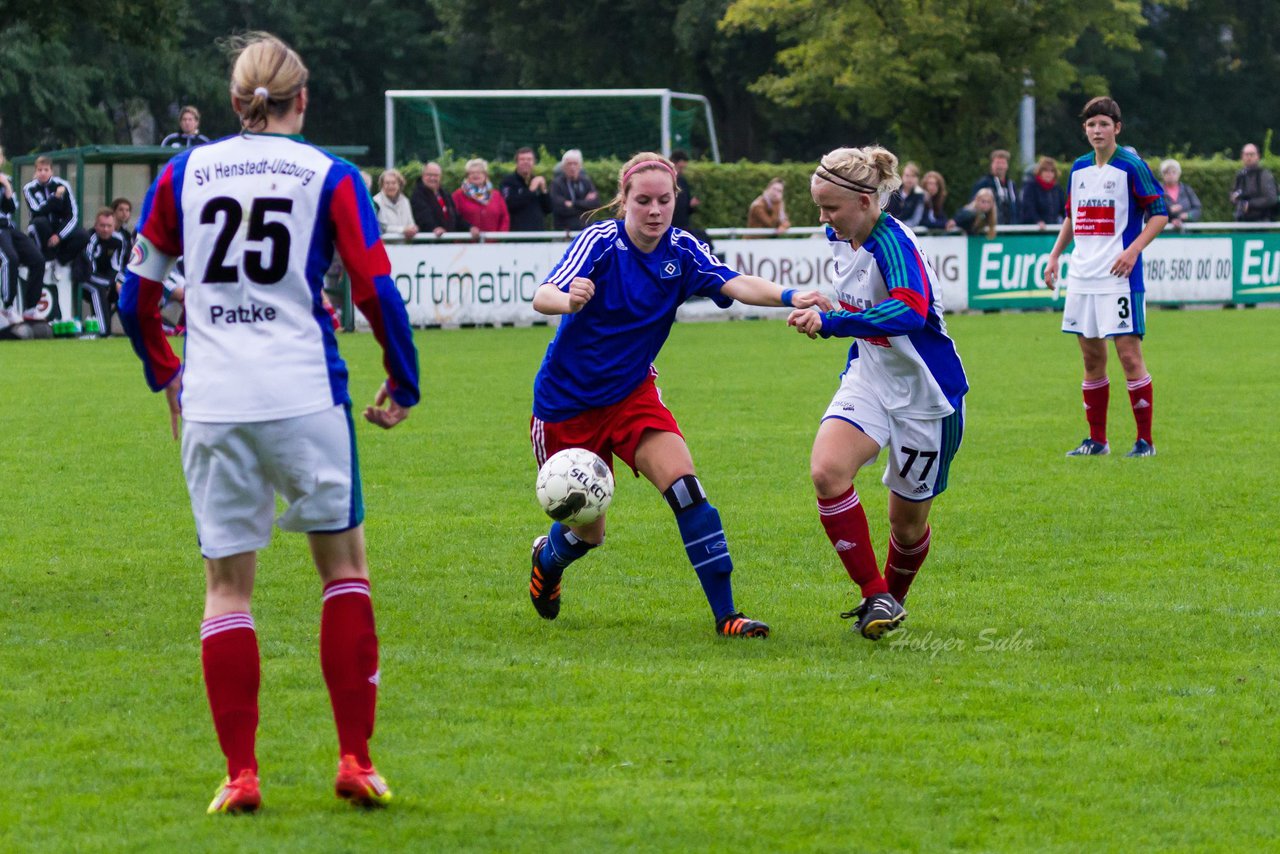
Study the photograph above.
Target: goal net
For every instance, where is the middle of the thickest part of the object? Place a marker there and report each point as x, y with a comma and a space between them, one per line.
603, 123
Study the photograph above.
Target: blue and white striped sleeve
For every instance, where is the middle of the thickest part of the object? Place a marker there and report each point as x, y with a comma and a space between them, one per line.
587, 249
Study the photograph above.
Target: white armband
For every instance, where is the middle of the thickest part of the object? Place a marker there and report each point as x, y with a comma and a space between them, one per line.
149, 262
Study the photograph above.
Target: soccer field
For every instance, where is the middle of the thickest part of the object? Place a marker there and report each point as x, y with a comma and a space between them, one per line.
1090, 660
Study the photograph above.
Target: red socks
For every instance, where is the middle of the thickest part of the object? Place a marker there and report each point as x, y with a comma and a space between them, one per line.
1097, 394
1141, 399
903, 563
229, 653
846, 524
349, 661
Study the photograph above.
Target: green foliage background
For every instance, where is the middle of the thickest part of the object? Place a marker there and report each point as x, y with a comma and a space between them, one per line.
727, 189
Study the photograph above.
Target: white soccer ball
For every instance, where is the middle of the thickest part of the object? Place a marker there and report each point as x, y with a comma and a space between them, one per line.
575, 487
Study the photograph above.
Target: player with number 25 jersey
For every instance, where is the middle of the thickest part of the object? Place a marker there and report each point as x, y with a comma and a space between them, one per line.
259, 344
263, 394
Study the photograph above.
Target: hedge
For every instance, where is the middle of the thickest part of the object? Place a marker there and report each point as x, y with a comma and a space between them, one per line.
727, 189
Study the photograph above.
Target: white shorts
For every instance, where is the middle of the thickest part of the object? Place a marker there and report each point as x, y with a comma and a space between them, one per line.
920, 449
235, 471
1105, 315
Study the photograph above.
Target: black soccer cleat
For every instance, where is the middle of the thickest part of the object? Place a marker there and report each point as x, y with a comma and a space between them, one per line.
735, 625
545, 596
876, 616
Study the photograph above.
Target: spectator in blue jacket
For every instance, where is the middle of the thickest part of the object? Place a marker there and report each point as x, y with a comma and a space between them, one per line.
1043, 202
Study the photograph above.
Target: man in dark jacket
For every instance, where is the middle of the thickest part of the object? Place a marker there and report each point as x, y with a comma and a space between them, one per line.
433, 210
686, 202
97, 269
1254, 193
17, 248
526, 195
999, 183
55, 219
573, 195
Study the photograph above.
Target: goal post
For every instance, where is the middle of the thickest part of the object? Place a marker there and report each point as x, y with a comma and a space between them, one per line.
425, 123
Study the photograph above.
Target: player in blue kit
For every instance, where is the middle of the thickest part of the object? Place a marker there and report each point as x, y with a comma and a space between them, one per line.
618, 288
903, 386
1109, 194
263, 393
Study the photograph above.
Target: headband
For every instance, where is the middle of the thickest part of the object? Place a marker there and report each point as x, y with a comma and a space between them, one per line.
644, 164
840, 181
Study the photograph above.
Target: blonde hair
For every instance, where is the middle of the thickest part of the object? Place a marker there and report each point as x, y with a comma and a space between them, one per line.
477, 163
1171, 164
869, 170
393, 174
189, 110
646, 161
263, 63
990, 215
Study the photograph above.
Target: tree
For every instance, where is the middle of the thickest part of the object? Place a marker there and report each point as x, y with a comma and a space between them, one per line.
946, 76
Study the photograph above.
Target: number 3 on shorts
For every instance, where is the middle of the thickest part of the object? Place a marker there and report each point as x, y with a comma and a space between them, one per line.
1122, 308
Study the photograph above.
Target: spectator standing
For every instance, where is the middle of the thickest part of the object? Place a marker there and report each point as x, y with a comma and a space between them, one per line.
935, 201
769, 210
433, 209
395, 215
1043, 201
686, 202
96, 271
1001, 187
189, 134
1182, 201
526, 196
979, 215
478, 205
573, 195
907, 204
17, 248
55, 217
1254, 193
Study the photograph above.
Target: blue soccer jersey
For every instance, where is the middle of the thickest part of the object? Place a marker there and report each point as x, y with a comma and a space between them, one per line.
887, 291
603, 352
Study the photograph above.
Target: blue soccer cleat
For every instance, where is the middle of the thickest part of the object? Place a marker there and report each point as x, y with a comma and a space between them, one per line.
1090, 448
1142, 448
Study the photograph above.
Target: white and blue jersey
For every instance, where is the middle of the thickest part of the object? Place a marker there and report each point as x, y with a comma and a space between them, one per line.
257, 218
1107, 205
887, 292
603, 352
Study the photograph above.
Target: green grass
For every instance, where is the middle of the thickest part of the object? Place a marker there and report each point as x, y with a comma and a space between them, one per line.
1133, 708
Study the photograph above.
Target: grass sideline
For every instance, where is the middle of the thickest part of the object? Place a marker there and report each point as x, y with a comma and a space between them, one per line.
1090, 661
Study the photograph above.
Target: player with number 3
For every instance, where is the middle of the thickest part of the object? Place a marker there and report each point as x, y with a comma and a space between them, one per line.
1109, 192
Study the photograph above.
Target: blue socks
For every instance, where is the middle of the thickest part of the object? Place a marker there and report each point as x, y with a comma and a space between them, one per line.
700, 529
561, 549
704, 542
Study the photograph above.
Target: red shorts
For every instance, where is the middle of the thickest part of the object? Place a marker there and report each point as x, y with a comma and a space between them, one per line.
609, 430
